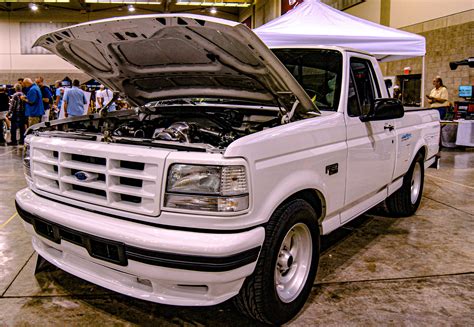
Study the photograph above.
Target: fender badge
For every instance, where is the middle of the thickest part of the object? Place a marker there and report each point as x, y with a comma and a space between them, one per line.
406, 137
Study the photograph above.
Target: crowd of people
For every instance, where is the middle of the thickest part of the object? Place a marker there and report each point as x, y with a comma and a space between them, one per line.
30, 102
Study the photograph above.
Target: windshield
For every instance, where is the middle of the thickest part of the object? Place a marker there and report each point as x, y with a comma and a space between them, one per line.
319, 72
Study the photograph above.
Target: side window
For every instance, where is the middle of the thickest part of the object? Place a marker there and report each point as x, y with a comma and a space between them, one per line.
353, 101
362, 89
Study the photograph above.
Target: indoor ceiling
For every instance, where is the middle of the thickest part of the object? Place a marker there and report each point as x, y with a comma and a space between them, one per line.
229, 7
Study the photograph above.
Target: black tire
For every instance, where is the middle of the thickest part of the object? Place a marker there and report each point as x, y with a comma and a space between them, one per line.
400, 203
258, 297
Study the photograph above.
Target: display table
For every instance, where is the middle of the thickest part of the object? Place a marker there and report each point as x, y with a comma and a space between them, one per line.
448, 133
465, 133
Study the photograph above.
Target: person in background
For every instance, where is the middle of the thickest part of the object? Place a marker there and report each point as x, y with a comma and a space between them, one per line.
438, 97
87, 109
24, 89
47, 97
58, 99
34, 108
97, 99
4, 100
17, 116
9, 92
104, 97
74, 100
397, 93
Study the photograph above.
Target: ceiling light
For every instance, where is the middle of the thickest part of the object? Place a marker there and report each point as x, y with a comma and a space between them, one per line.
135, 2
33, 6
131, 8
214, 3
213, 10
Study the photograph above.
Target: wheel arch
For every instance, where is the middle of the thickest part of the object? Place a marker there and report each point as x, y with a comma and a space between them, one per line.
314, 197
420, 148
423, 151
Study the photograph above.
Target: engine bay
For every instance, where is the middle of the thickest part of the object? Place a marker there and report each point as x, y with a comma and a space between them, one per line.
183, 127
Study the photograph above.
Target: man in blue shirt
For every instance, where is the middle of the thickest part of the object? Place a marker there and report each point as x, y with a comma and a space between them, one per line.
74, 100
33, 102
47, 97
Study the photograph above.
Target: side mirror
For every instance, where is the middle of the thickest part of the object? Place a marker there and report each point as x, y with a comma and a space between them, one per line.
383, 109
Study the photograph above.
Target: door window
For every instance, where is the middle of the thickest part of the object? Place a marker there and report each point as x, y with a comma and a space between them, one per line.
362, 89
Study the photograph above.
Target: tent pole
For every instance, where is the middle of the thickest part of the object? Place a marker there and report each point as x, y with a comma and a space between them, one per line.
423, 71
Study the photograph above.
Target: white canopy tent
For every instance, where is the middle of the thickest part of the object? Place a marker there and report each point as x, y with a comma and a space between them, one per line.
315, 23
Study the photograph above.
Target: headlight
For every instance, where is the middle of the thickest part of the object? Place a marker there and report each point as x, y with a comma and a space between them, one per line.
194, 179
207, 188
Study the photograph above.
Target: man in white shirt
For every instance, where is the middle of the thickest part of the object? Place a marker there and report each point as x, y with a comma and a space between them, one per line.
97, 102
104, 96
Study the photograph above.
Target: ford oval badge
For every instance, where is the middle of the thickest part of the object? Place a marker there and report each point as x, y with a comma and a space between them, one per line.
81, 176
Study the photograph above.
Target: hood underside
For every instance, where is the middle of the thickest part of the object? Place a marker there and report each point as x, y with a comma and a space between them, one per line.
157, 57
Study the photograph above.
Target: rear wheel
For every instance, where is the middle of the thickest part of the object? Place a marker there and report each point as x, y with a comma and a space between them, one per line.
286, 268
406, 200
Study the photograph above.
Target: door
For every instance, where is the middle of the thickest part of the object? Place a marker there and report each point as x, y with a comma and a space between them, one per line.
371, 145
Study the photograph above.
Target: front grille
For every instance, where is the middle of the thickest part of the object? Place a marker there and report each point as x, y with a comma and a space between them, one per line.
89, 190
89, 159
115, 180
132, 165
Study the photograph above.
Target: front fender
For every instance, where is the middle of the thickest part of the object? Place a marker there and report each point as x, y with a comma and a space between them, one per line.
291, 184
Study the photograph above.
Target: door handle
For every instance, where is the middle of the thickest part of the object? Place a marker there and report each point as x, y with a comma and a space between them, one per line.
389, 127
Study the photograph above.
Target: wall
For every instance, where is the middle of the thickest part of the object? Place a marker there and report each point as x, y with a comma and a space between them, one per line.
449, 38
14, 65
409, 12
403, 13
262, 11
266, 10
369, 10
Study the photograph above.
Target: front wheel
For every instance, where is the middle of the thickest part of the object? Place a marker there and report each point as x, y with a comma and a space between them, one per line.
286, 268
406, 200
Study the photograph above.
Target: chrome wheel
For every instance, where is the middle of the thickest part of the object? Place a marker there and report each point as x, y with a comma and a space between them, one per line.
293, 262
415, 183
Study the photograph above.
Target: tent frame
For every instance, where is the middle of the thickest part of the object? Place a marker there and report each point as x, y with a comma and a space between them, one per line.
423, 72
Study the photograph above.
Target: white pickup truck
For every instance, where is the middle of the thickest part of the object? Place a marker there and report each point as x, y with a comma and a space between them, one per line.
234, 162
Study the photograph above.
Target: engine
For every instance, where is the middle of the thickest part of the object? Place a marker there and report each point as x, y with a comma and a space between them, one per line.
178, 132
191, 131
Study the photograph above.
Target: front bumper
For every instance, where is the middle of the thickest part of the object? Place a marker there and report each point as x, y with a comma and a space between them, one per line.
147, 262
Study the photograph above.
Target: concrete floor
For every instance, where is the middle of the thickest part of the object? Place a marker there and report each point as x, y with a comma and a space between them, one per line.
417, 271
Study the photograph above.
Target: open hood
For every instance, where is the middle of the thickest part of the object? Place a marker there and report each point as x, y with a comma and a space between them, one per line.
157, 57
